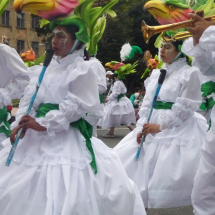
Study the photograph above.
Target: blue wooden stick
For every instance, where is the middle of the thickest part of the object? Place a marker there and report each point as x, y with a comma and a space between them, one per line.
49, 55
160, 82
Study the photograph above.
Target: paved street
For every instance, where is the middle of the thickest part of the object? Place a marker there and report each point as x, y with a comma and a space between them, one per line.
111, 142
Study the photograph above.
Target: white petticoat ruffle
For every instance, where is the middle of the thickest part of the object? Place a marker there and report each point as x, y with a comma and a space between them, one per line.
118, 113
65, 186
168, 162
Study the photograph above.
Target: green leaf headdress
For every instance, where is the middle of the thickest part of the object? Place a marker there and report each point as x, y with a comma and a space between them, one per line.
125, 70
121, 69
90, 20
3, 5
128, 51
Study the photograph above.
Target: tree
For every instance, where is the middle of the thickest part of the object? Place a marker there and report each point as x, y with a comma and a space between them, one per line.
126, 27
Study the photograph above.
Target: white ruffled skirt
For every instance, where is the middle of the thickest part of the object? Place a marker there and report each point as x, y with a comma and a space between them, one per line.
167, 164
118, 113
52, 176
203, 195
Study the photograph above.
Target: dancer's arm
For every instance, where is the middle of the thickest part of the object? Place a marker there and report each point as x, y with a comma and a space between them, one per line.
13, 65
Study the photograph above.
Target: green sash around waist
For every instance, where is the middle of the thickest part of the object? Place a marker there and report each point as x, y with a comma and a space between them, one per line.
4, 124
208, 104
85, 128
163, 105
101, 98
207, 89
120, 96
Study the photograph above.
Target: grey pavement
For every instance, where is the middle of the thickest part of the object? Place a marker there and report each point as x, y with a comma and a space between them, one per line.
111, 142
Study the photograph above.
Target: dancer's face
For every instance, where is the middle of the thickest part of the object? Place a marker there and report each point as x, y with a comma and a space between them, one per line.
168, 52
62, 41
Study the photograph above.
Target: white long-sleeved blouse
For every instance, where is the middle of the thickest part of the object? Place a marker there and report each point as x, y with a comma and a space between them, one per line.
14, 76
71, 84
117, 89
181, 86
204, 52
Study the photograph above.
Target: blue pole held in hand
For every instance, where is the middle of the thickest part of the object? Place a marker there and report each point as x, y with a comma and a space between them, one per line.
49, 55
160, 82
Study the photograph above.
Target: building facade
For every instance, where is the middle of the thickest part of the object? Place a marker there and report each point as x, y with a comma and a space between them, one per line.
18, 28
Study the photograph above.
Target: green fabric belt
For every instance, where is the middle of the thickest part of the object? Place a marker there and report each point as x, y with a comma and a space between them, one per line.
163, 105
3, 119
208, 104
101, 98
207, 89
85, 128
120, 96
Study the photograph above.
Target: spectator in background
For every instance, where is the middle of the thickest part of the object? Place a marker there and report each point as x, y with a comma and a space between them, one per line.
142, 94
137, 103
132, 97
110, 80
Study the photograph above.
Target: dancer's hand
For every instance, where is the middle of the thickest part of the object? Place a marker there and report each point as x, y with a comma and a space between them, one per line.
199, 26
14, 133
150, 128
29, 122
26, 122
139, 136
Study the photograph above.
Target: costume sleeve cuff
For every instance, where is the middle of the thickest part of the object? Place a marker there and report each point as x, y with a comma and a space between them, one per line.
207, 40
189, 49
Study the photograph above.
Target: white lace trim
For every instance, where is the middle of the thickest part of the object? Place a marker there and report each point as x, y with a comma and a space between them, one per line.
139, 126
171, 141
168, 119
20, 113
181, 110
31, 160
46, 122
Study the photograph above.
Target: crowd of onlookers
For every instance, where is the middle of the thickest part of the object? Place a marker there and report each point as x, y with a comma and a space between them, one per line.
136, 99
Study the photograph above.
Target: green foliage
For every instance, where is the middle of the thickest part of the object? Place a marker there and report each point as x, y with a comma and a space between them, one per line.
3, 5
126, 27
15, 102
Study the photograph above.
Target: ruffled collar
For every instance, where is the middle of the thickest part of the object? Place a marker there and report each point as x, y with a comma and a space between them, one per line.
175, 66
71, 57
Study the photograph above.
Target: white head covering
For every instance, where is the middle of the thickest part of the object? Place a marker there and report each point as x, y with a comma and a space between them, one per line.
109, 73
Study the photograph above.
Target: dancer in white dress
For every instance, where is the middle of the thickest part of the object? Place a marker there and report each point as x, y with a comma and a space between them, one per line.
14, 79
202, 47
170, 155
57, 168
118, 109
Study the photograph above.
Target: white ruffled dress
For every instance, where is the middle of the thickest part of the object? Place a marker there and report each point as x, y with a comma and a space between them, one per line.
14, 78
50, 173
169, 159
117, 112
203, 195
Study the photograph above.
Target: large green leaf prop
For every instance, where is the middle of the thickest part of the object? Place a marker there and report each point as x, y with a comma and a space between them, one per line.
3, 5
